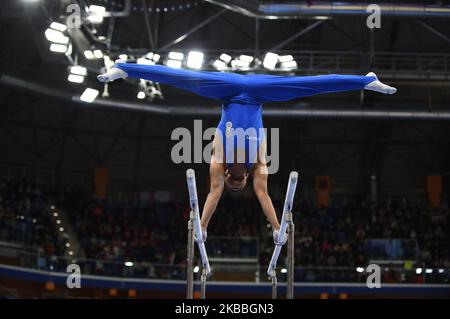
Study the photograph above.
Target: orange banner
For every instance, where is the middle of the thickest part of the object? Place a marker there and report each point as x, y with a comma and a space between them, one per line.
434, 190
101, 175
323, 188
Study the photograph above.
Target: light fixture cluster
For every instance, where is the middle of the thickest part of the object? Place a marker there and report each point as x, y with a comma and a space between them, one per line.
225, 62
77, 74
149, 59
59, 41
93, 54
96, 14
89, 95
58, 222
419, 270
273, 61
149, 90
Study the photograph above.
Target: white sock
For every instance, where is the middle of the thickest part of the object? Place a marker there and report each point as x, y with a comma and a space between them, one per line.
113, 74
378, 86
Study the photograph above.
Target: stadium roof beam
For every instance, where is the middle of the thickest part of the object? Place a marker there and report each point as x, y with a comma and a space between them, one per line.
193, 30
120, 14
298, 34
289, 10
147, 25
205, 111
433, 30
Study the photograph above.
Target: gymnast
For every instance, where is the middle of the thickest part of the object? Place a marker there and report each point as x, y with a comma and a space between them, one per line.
239, 145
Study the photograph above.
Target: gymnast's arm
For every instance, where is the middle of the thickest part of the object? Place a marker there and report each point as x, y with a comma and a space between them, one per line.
267, 88
216, 171
215, 85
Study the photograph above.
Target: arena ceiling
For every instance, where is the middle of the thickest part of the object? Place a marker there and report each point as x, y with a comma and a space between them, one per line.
44, 127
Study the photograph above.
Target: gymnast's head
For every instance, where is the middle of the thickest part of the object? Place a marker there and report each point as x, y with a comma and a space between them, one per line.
236, 177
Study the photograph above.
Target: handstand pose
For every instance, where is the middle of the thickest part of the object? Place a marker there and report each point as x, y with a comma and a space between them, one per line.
239, 145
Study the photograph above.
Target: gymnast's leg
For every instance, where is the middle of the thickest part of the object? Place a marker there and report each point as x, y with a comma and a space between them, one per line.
265, 88
216, 85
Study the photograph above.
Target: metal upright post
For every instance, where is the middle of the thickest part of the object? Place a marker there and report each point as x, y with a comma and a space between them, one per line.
195, 228
203, 284
190, 258
290, 257
274, 284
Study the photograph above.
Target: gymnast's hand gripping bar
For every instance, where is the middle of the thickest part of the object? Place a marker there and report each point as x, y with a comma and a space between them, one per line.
287, 208
193, 200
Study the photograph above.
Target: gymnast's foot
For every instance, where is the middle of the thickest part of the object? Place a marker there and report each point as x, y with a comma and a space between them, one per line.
378, 86
276, 239
113, 74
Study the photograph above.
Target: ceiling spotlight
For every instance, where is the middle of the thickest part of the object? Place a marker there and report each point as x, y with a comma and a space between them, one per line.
129, 264
141, 95
88, 54
322, 18
56, 36
174, 64
195, 60
175, 60
70, 253
89, 95
67, 245
176, 56
58, 26
61, 229
95, 19
418, 271
285, 58
153, 57
75, 78
246, 58
145, 61
239, 64
98, 54
55, 214
270, 60
283, 270
156, 57
220, 65
225, 58
441, 271
58, 48
359, 269
78, 70
428, 271
289, 65
96, 14
196, 269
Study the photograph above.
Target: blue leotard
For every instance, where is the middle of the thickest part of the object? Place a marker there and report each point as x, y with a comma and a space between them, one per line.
242, 97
